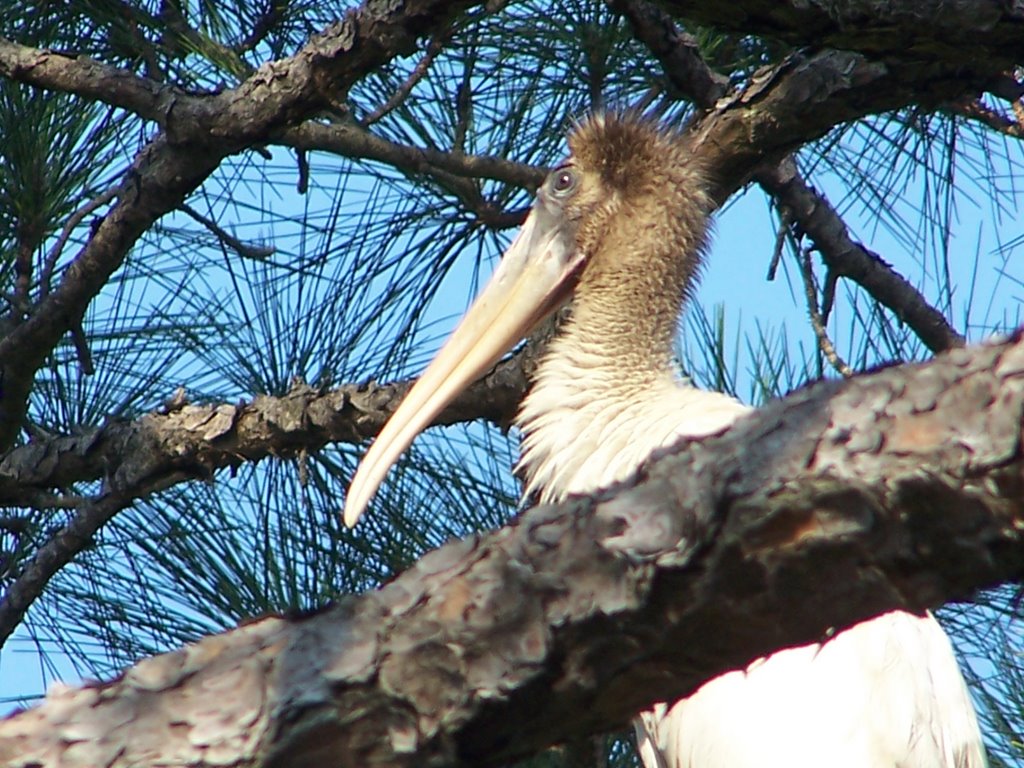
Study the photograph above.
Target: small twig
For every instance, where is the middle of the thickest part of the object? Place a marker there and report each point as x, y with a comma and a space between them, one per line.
73, 221
81, 343
463, 111
18, 303
493, 217
828, 293
785, 222
817, 323
454, 172
302, 160
434, 47
255, 252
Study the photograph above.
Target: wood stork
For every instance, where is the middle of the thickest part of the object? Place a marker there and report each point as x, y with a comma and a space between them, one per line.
619, 227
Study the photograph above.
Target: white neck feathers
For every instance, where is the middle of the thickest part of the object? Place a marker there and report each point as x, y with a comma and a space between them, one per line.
588, 423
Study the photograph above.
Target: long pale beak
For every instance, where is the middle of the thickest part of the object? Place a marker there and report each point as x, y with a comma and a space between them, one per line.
535, 275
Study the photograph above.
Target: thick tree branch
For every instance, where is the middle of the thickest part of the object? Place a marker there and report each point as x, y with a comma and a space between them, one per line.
800, 100
88, 78
898, 489
914, 33
205, 438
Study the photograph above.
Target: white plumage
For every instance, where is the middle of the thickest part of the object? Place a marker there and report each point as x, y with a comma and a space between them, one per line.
886, 692
619, 228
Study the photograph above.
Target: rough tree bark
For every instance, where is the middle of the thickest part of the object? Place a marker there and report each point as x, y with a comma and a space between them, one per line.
903, 486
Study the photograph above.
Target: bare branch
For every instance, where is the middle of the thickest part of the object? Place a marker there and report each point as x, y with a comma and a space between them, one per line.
246, 251
680, 59
454, 171
817, 322
157, 182
46, 274
434, 47
88, 78
201, 439
350, 140
786, 106
849, 259
903, 486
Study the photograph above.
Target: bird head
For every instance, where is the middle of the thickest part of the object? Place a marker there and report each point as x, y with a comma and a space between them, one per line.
627, 193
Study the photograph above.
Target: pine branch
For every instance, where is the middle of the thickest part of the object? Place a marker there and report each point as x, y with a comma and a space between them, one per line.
201, 439
351, 140
677, 52
198, 133
245, 250
433, 49
811, 211
895, 490
88, 78
817, 321
780, 109
786, 106
843, 257
187, 442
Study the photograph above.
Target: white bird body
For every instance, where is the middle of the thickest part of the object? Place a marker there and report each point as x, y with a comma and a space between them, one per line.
886, 692
619, 227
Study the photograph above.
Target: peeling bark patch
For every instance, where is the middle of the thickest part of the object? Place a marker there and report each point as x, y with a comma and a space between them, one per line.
916, 434
828, 516
431, 677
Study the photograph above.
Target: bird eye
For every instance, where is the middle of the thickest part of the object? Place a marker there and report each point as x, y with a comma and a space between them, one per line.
564, 181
